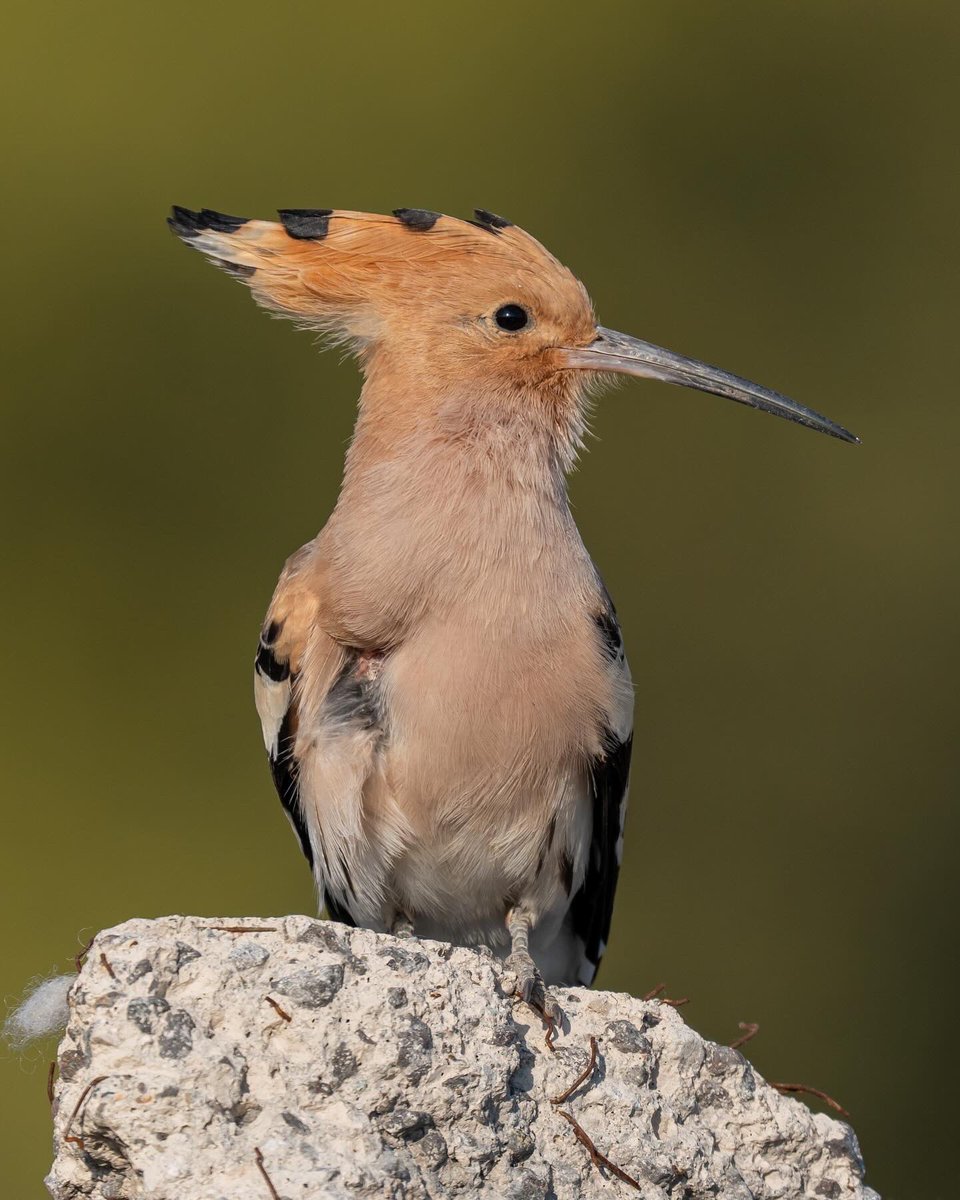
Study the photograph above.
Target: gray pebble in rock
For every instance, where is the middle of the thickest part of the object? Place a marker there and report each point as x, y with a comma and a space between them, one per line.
313, 987
246, 955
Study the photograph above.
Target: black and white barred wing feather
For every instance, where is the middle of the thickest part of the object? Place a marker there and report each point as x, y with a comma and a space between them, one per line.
273, 691
591, 909
316, 730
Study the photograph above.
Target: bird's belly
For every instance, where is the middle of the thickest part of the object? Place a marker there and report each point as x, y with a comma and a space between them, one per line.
484, 764
456, 881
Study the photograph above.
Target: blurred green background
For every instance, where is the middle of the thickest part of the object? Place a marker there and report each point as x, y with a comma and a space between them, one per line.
772, 187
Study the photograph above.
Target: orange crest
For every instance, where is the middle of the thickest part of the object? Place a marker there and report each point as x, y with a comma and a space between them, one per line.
362, 276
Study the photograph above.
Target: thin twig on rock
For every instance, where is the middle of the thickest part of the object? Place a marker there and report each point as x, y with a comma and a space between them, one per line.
76, 1109
654, 994
549, 1021
258, 1155
584, 1075
81, 956
106, 965
812, 1091
751, 1029
51, 1075
281, 1012
599, 1160
246, 928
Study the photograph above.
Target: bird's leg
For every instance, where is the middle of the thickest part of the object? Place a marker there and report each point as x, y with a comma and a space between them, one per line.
402, 926
528, 986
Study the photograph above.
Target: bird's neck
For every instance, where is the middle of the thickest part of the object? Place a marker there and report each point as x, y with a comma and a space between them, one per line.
474, 438
445, 501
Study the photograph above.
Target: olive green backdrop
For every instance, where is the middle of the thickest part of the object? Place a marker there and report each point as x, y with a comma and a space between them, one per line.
772, 187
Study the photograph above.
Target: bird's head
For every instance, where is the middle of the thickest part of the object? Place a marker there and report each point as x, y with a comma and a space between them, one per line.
449, 306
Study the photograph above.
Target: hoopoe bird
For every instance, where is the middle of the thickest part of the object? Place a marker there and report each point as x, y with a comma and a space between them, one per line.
441, 679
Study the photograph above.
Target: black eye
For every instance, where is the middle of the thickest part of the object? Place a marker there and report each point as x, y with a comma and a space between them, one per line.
511, 317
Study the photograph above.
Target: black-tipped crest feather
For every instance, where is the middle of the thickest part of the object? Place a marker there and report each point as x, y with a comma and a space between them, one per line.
306, 224
419, 219
186, 223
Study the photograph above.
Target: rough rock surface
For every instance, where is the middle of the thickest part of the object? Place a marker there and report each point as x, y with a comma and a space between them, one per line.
300, 1058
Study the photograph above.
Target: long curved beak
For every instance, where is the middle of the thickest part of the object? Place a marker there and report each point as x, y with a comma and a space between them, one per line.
612, 351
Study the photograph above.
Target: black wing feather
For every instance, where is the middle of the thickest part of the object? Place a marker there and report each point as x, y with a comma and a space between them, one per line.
608, 626
283, 768
591, 909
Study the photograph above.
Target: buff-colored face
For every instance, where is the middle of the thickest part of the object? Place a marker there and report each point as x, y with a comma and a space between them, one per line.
500, 316
448, 303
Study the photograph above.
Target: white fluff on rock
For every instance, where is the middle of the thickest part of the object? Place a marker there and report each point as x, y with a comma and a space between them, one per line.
335, 1062
42, 1013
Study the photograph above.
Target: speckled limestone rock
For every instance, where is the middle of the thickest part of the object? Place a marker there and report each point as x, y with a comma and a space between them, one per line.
289, 1057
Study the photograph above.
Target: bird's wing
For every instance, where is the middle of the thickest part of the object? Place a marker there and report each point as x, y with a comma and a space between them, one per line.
591, 909
297, 669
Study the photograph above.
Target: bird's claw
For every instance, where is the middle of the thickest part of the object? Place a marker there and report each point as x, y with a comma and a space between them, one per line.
522, 980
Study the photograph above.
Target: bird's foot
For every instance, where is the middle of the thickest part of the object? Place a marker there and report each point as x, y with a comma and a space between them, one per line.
525, 983
402, 926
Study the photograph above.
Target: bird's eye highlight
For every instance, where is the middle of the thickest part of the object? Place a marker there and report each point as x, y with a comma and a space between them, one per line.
511, 317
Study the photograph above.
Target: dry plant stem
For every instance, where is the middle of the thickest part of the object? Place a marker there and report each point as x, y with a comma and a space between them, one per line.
105, 964
76, 1109
550, 1024
654, 994
51, 1075
582, 1078
599, 1160
80, 957
281, 1012
751, 1029
811, 1091
245, 928
258, 1155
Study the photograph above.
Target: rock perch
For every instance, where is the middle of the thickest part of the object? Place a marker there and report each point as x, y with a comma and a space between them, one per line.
243, 1059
